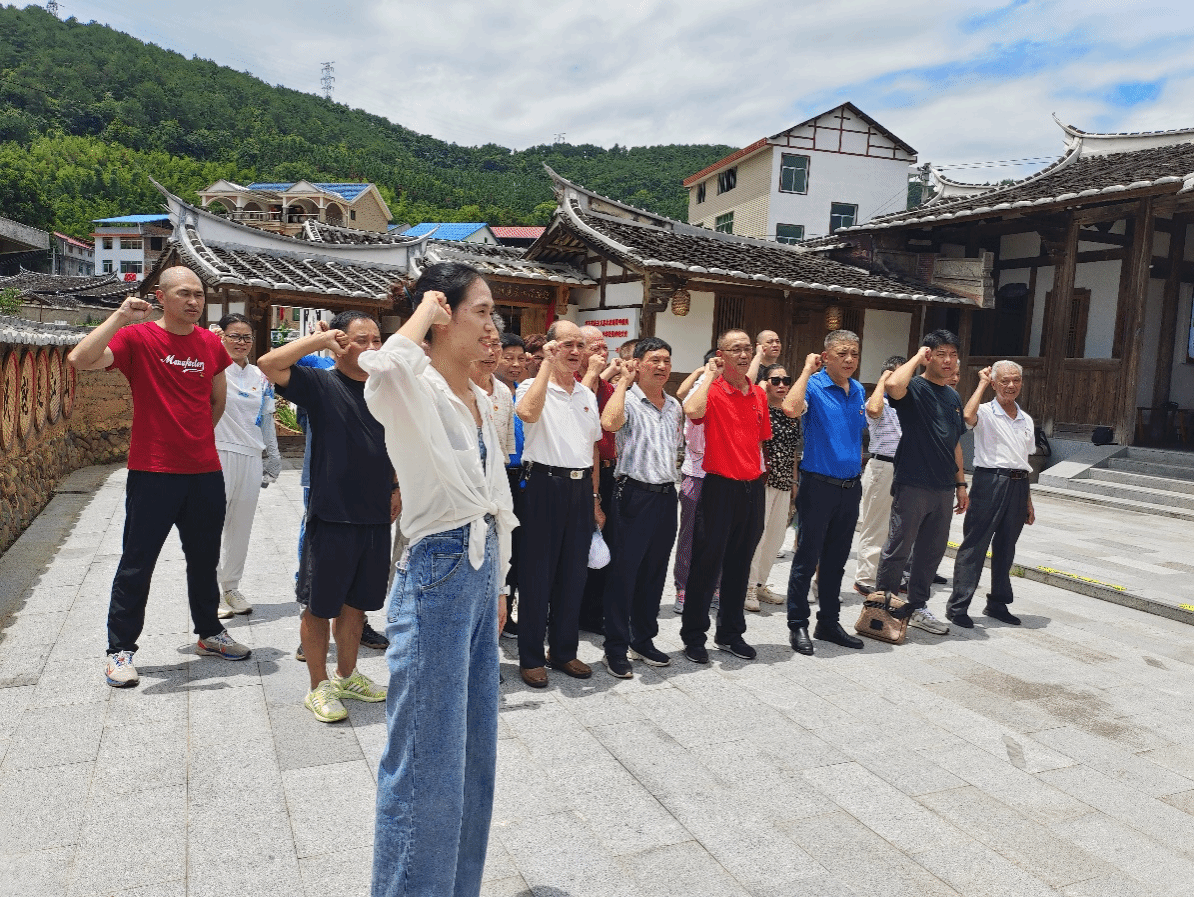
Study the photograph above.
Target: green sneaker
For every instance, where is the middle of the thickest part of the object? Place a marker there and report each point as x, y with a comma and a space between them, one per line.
324, 702
359, 687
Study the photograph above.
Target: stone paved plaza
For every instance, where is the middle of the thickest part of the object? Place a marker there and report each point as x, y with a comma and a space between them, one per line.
1055, 758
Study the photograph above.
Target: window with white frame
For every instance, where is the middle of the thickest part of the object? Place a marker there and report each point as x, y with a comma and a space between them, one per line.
107, 266
842, 214
724, 223
127, 267
793, 174
727, 180
107, 242
789, 233
131, 243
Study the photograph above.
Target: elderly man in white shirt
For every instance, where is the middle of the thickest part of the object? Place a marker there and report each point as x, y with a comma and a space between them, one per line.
1000, 503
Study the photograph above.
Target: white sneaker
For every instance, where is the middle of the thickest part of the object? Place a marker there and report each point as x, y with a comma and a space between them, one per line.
120, 672
678, 607
233, 602
923, 618
765, 594
752, 600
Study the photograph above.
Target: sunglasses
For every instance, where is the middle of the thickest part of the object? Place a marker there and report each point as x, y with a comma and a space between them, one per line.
777, 381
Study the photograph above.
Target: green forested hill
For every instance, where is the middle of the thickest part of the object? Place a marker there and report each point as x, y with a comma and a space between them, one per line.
87, 112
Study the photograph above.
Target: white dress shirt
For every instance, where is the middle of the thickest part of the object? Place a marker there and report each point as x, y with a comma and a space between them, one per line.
431, 438
567, 429
250, 399
1002, 441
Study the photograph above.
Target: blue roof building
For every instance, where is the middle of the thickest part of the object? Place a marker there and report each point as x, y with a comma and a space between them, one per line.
469, 232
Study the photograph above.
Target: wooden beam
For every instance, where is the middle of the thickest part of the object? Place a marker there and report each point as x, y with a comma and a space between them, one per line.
965, 331
1057, 321
1168, 334
1133, 326
1045, 260
916, 329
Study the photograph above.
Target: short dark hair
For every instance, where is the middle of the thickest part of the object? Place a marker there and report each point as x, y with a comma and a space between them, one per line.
896, 361
234, 318
512, 339
533, 342
626, 350
939, 338
343, 319
721, 336
765, 371
650, 344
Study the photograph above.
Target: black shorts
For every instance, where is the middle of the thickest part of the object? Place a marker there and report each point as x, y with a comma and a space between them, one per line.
343, 563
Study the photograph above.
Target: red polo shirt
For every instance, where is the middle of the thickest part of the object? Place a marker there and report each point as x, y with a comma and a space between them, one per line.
606, 447
735, 424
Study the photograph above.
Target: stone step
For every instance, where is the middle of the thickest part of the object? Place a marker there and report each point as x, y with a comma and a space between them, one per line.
1150, 468
1147, 481
1109, 501
1162, 456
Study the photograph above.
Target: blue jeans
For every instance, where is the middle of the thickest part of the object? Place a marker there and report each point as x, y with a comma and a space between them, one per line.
436, 777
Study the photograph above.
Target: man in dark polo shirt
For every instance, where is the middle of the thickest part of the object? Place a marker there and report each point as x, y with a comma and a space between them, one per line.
928, 473
830, 487
729, 518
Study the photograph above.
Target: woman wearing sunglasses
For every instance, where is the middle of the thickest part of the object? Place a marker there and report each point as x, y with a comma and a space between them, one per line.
782, 453
245, 430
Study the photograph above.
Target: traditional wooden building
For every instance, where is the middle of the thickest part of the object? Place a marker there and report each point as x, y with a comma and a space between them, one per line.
1092, 273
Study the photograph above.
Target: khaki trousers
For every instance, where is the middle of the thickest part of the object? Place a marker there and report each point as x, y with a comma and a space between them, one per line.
875, 518
775, 525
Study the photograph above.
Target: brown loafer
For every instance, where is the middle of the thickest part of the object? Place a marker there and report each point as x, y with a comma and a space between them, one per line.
575, 668
536, 677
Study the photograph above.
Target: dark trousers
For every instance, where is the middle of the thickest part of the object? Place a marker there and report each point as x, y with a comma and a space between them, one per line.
827, 515
592, 602
153, 504
920, 519
557, 526
729, 523
514, 475
997, 513
640, 530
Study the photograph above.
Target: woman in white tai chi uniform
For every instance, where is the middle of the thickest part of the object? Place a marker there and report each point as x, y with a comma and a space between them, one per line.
242, 434
436, 777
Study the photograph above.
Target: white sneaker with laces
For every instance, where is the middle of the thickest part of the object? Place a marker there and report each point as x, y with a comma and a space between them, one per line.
120, 672
233, 600
922, 618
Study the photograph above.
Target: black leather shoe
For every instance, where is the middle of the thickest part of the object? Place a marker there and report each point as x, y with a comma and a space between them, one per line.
1002, 614
835, 634
800, 642
960, 619
939, 580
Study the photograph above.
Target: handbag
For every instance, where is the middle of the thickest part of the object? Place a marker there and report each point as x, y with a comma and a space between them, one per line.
876, 620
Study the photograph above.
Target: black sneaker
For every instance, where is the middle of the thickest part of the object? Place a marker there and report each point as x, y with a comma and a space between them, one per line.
299, 655
619, 667
960, 619
510, 630
738, 648
696, 653
650, 655
939, 580
1001, 613
371, 638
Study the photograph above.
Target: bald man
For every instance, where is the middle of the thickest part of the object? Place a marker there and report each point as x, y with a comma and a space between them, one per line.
175, 370
767, 351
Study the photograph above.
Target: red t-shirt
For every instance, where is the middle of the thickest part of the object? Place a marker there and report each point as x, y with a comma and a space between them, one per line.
607, 449
170, 377
735, 424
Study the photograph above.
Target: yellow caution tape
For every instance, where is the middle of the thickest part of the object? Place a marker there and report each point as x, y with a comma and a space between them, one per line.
1186, 607
1096, 582
956, 545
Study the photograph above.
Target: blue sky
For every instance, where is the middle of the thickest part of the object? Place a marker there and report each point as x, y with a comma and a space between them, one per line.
963, 82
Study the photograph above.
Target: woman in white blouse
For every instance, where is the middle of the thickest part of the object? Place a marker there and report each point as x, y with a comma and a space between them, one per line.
245, 430
436, 777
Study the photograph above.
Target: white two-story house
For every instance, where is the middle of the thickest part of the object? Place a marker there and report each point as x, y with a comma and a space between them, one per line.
835, 170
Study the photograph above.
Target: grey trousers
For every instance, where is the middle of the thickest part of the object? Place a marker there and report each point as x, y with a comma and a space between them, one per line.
919, 519
997, 513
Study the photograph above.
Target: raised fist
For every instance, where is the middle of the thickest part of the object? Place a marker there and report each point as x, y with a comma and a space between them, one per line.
134, 309
716, 365
812, 363
925, 355
984, 375
442, 311
336, 342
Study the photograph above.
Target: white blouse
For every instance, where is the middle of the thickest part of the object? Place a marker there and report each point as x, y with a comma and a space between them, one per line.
431, 438
250, 400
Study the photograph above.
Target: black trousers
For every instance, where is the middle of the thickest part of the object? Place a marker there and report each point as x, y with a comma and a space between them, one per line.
920, 519
729, 524
639, 530
514, 475
997, 513
153, 504
592, 602
557, 526
827, 515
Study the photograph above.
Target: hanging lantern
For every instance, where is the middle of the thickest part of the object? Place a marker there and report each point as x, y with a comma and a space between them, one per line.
833, 318
681, 302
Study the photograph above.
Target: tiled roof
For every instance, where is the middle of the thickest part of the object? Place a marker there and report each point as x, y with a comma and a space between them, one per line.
446, 231
348, 191
69, 291
22, 332
518, 233
503, 261
319, 232
131, 219
82, 244
301, 272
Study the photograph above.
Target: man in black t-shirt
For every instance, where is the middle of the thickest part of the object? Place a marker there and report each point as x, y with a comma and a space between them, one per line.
928, 473
346, 547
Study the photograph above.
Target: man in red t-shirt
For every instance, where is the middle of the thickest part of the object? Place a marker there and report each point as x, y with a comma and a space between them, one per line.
729, 517
176, 372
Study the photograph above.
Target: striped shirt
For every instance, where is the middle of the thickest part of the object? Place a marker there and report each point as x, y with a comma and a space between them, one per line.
649, 441
885, 431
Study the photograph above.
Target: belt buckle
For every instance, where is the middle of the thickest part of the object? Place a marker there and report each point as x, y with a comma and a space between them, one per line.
575, 474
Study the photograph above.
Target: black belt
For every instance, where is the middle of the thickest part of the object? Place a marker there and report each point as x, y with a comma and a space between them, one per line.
832, 481
567, 473
605, 463
649, 487
890, 459
1009, 472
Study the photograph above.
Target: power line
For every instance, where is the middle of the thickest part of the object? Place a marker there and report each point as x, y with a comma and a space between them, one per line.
325, 82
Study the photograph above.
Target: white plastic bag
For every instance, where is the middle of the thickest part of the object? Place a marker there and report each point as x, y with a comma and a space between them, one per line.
598, 551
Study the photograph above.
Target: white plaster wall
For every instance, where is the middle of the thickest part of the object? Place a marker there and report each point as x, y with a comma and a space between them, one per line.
1018, 246
1102, 279
1153, 302
885, 333
876, 186
585, 299
1181, 386
1044, 283
691, 336
619, 295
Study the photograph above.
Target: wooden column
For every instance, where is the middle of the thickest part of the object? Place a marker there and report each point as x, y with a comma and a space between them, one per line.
1140, 256
1161, 378
916, 329
1057, 321
260, 312
965, 329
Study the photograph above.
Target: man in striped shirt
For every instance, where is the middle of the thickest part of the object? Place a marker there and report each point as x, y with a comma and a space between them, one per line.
884, 425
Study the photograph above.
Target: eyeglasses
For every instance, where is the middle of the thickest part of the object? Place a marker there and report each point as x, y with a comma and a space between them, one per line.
238, 339
780, 381
740, 350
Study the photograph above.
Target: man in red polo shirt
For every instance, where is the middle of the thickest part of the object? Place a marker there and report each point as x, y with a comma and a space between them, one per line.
729, 518
594, 368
